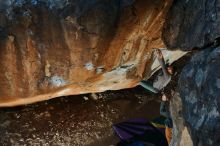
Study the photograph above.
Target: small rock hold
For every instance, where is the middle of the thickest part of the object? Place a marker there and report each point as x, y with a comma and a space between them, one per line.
11, 38
85, 98
94, 96
218, 83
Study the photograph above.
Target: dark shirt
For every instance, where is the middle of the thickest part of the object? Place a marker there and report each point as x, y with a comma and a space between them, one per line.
164, 111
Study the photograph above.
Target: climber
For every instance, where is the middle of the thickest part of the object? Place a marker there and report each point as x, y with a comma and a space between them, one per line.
164, 111
162, 79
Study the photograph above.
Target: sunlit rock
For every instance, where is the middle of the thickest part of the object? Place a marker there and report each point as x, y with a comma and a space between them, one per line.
67, 47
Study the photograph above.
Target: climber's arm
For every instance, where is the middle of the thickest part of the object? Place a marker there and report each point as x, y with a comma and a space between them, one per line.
161, 60
164, 107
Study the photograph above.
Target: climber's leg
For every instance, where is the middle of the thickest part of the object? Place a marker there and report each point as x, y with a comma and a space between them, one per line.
149, 87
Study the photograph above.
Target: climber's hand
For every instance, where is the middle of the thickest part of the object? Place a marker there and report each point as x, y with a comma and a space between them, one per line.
159, 54
164, 97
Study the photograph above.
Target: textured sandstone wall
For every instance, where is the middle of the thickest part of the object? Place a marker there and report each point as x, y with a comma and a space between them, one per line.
66, 47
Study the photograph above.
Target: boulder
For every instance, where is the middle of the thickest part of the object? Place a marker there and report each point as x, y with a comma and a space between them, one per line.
199, 87
52, 48
192, 24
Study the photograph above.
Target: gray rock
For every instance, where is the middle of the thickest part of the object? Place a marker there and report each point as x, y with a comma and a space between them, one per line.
199, 90
192, 23
181, 136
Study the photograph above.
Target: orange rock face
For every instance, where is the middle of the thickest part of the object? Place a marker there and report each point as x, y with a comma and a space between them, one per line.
78, 48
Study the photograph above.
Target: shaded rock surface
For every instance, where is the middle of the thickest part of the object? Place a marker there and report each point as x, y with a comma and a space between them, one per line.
181, 136
199, 85
68, 47
192, 23
189, 25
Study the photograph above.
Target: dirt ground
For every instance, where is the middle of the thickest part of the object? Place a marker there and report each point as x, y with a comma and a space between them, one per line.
78, 120
74, 120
